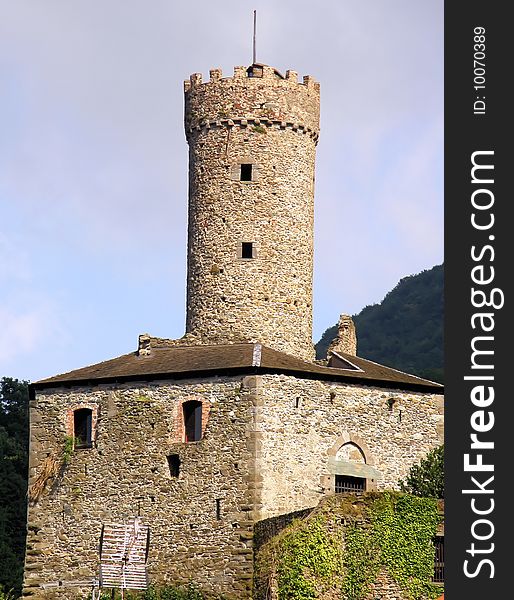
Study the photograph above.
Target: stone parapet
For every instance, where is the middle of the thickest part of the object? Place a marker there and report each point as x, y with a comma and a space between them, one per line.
269, 97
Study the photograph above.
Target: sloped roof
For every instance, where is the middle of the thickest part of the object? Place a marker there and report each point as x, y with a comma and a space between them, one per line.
182, 361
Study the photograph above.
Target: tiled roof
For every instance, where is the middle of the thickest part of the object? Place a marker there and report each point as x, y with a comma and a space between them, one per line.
178, 362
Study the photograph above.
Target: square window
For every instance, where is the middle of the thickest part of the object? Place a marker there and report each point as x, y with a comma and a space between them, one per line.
246, 172
246, 249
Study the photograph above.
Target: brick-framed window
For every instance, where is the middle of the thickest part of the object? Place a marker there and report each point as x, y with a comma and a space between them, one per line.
190, 419
83, 427
81, 424
192, 415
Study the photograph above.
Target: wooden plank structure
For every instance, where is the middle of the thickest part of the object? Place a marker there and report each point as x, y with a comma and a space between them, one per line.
124, 554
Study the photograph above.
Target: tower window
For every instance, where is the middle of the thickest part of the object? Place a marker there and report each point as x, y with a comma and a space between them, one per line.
83, 427
174, 464
246, 172
246, 249
192, 412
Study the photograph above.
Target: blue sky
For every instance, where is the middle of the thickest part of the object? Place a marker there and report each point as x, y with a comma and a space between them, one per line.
93, 159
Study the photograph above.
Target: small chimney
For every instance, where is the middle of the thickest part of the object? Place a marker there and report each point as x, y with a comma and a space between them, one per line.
144, 344
346, 339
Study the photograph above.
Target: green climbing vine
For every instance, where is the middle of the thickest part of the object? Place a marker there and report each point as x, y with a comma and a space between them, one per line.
404, 527
69, 447
309, 560
361, 562
340, 549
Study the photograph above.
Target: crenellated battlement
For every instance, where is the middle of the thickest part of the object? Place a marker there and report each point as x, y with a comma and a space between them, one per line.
256, 94
252, 75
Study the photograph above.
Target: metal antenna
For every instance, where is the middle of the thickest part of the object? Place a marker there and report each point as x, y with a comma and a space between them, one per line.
254, 35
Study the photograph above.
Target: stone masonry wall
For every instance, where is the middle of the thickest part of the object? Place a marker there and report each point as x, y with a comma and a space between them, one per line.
126, 473
270, 446
301, 424
272, 124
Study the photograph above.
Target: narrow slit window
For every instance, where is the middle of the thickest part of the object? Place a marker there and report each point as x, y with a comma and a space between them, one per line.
192, 412
246, 172
83, 428
247, 250
174, 464
218, 509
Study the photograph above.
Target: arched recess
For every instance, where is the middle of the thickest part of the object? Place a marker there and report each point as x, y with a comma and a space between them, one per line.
350, 466
355, 440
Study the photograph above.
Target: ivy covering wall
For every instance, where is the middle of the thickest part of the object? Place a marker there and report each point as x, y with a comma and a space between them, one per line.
348, 546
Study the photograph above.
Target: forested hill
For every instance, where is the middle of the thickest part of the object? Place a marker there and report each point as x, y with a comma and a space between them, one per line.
405, 330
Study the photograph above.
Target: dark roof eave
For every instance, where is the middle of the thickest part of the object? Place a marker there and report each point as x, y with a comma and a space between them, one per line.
228, 371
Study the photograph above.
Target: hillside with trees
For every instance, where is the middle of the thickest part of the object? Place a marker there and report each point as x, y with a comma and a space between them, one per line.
14, 434
404, 331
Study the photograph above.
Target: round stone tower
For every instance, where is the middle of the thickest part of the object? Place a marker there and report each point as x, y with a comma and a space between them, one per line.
252, 142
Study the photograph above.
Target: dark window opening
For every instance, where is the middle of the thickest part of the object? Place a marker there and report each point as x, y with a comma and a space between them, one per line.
218, 509
192, 412
83, 428
247, 250
439, 560
246, 172
254, 71
347, 483
174, 464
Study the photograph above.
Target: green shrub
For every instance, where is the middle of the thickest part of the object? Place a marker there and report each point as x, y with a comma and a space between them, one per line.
426, 478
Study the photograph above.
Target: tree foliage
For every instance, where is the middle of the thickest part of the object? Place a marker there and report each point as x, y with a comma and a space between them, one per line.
13, 478
426, 478
404, 331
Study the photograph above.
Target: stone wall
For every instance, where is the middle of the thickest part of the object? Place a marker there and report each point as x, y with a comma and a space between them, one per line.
271, 445
302, 424
126, 473
272, 124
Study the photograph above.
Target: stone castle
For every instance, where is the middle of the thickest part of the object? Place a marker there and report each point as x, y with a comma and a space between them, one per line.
201, 438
